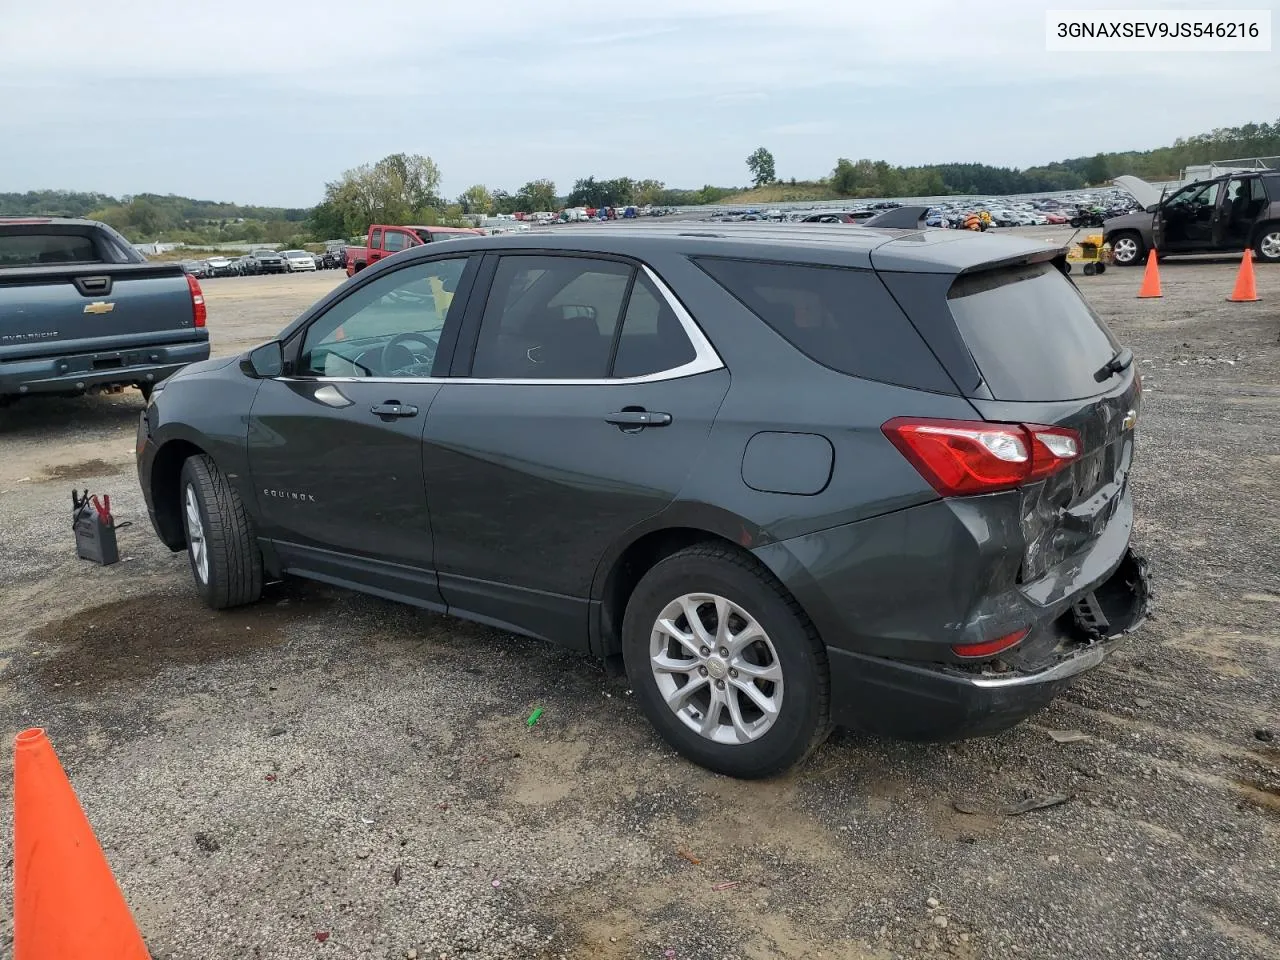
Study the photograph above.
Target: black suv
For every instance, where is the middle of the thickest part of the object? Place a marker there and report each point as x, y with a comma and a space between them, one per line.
791, 476
1228, 213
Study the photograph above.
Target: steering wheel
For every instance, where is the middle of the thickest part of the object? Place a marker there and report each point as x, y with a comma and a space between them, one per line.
407, 358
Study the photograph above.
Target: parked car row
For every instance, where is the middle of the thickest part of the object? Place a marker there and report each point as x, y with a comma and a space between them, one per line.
266, 261
1083, 210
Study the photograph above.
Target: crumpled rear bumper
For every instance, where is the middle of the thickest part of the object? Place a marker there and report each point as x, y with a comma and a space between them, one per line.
923, 701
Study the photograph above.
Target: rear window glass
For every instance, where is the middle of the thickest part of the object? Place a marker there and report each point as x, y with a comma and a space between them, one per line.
44, 249
1031, 333
840, 317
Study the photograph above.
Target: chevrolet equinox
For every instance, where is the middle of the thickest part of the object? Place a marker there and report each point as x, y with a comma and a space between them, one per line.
792, 476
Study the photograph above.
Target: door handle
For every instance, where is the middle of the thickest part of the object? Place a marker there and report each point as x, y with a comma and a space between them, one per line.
394, 408
633, 417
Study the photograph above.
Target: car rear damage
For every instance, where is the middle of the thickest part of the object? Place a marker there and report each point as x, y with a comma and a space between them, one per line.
1038, 580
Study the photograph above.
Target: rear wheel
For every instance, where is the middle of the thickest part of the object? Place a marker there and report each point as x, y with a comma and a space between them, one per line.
725, 664
1267, 246
1127, 249
226, 563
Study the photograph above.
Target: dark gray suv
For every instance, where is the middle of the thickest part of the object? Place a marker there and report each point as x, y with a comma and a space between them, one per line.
791, 476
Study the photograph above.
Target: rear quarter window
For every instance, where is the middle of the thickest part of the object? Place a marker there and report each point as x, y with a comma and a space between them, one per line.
840, 317
1032, 334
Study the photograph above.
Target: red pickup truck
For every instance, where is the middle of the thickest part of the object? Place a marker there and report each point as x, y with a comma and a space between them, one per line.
385, 239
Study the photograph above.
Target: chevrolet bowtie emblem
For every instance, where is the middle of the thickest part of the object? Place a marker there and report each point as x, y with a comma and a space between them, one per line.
99, 306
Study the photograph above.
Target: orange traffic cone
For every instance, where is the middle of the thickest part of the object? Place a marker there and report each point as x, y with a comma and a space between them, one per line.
1150, 278
1246, 289
66, 903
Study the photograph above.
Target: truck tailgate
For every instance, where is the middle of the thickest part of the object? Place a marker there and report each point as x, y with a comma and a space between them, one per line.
53, 309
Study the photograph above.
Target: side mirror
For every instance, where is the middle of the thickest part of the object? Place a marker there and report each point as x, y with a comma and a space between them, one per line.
265, 361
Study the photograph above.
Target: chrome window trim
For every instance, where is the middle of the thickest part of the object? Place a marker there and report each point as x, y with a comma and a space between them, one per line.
705, 359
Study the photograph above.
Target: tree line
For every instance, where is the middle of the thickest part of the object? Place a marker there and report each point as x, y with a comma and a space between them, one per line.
150, 216
405, 188
876, 178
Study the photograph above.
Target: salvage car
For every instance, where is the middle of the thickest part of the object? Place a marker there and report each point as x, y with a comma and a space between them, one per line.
267, 261
1228, 213
296, 260
82, 311
683, 451
221, 266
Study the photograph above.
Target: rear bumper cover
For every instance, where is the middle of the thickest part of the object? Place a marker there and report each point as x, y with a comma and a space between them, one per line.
78, 372
892, 595
938, 702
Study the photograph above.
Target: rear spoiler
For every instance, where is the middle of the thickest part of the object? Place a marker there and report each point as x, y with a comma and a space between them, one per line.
899, 218
1056, 255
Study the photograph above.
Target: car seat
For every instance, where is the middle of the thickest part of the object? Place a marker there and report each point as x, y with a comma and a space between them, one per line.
563, 347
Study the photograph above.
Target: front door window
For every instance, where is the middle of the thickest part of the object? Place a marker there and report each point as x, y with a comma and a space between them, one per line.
389, 328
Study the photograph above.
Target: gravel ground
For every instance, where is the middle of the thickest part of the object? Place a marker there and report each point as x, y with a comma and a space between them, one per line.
330, 775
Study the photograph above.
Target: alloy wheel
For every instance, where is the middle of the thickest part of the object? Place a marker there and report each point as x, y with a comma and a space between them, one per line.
716, 668
1269, 245
1125, 250
196, 545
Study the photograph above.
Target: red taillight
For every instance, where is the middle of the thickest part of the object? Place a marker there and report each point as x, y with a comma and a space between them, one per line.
964, 457
198, 309
990, 648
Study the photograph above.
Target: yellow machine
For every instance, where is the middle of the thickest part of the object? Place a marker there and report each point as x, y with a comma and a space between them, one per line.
1090, 251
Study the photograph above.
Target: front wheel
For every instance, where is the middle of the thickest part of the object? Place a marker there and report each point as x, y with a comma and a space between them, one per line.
1127, 249
1268, 245
226, 563
725, 664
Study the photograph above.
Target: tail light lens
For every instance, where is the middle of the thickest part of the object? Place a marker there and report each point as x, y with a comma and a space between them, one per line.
965, 457
198, 309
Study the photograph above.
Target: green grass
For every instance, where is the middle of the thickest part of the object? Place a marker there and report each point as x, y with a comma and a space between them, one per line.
785, 193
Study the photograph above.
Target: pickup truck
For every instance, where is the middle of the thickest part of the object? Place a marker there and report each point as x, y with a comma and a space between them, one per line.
385, 239
82, 311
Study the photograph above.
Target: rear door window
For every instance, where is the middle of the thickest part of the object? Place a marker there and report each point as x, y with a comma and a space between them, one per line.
551, 318
1031, 333
840, 317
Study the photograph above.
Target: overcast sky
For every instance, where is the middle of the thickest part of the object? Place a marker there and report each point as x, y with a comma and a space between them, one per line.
262, 102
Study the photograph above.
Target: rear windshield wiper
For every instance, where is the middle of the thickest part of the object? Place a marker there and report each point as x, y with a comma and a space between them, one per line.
1117, 364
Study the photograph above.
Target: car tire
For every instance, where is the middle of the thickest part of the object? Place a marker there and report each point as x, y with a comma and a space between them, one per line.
715, 580
1127, 249
222, 549
1267, 246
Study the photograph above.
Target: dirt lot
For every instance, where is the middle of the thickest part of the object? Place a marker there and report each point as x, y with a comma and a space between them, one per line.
329, 767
